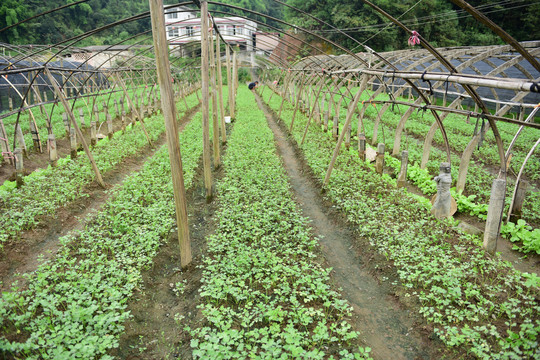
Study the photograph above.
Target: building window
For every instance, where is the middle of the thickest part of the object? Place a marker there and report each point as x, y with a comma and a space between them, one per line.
239, 30
172, 15
189, 31
233, 30
173, 31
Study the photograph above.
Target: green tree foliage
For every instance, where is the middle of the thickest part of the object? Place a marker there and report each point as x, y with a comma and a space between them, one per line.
439, 21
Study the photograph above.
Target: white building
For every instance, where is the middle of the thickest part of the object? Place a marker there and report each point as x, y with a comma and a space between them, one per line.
183, 26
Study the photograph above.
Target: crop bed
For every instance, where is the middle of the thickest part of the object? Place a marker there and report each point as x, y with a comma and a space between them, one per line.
264, 294
472, 300
74, 306
47, 189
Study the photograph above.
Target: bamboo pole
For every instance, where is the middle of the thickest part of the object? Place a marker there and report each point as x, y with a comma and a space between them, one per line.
215, 123
220, 91
205, 102
171, 127
77, 129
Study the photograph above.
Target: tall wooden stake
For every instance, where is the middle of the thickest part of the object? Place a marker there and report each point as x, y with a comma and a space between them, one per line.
229, 77
134, 108
220, 91
67, 108
171, 127
215, 123
205, 102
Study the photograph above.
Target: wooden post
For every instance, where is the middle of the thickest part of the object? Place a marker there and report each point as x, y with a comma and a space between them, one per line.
118, 114
96, 114
123, 119
109, 127
220, 91
20, 140
519, 198
379, 160
35, 134
93, 133
171, 127
229, 77
53, 152
74, 124
205, 101
494, 216
66, 123
19, 166
234, 82
215, 123
73, 143
4, 142
10, 103
81, 118
347, 122
402, 177
362, 146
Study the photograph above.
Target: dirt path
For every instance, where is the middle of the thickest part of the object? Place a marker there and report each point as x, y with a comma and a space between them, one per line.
156, 330
387, 328
40, 244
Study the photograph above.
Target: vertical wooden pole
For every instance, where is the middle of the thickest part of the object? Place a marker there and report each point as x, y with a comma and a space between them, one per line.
53, 152
234, 82
229, 77
109, 127
73, 142
35, 134
93, 133
205, 102
347, 122
362, 146
4, 142
220, 91
519, 198
379, 160
81, 118
402, 177
297, 101
494, 216
19, 166
20, 140
215, 123
171, 127
66, 123
67, 109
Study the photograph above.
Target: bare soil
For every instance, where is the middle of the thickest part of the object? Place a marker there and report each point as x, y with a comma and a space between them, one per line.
368, 282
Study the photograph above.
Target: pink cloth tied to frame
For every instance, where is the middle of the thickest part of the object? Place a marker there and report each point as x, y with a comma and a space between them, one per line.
414, 39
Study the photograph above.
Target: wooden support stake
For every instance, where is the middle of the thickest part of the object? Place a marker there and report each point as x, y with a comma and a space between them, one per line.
73, 143
234, 81
66, 123
110, 130
171, 127
53, 152
494, 216
205, 101
19, 166
35, 135
347, 122
93, 133
215, 122
402, 177
220, 92
519, 198
10, 103
21, 141
4, 143
379, 160
77, 129
362, 146
123, 120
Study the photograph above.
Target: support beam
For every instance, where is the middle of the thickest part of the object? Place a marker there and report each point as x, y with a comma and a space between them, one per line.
171, 128
220, 92
215, 123
205, 102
